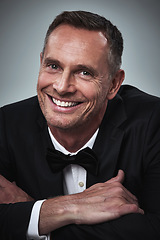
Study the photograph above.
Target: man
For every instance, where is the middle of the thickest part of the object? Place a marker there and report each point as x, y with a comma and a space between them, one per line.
81, 111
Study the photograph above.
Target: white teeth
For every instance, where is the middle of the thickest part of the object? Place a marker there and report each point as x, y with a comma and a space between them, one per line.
63, 104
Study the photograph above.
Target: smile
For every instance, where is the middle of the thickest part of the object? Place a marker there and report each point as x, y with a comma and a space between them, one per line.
63, 103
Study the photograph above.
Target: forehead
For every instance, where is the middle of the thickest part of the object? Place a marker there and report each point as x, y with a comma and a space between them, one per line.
73, 40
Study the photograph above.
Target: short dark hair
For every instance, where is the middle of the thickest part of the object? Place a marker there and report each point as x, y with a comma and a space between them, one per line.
93, 22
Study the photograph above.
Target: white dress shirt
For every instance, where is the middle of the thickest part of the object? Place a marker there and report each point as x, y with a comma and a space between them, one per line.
74, 182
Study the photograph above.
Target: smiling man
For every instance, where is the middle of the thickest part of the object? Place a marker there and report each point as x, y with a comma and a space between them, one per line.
85, 152
74, 84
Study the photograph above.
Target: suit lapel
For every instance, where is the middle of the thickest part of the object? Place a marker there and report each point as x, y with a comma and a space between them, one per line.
50, 184
108, 142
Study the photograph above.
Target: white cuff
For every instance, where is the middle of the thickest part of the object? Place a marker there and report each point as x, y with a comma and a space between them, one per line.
32, 232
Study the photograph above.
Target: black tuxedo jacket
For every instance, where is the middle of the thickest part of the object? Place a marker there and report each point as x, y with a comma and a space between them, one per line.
128, 139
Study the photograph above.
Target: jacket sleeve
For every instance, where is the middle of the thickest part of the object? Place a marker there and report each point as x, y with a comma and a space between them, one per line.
14, 218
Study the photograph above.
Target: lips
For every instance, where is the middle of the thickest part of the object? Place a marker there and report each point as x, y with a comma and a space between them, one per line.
65, 104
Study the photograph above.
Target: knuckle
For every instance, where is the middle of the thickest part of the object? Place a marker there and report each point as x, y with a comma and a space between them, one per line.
118, 190
135, 207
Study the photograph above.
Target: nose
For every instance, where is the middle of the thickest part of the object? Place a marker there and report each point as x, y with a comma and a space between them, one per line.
64, 83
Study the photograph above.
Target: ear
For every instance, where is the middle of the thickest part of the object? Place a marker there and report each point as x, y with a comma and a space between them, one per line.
115, 84
41, 57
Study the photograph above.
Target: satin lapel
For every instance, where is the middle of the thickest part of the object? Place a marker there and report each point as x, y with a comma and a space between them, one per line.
108, 142
50, 184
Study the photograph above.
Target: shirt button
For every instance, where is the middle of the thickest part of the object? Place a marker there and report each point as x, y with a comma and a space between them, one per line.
81, 184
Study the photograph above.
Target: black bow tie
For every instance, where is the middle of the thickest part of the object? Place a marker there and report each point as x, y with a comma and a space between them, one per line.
85, 158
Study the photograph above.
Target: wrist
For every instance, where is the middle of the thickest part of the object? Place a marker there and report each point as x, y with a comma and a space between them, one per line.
56, 213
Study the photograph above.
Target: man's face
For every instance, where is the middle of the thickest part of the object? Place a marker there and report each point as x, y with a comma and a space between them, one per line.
73, 80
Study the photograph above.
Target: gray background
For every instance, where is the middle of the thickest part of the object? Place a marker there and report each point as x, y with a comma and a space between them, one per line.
23, 25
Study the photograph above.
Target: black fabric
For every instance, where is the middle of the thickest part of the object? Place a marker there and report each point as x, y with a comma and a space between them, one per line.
128, 139
85, 158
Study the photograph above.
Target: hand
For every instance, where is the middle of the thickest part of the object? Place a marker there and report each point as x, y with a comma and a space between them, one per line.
100, 203
10, 193
106, 201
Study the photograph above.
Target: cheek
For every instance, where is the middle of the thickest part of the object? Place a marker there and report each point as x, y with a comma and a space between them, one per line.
93, 91
44, 80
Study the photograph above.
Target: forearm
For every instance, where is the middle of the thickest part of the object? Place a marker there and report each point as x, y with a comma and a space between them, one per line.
131, 226
56, 213
98, 204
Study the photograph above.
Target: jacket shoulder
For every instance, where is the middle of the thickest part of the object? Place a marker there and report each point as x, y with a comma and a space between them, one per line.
138, 105
25, 111
29, 102
130, 93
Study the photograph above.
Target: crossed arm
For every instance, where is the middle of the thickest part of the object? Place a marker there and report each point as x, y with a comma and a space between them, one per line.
100, 203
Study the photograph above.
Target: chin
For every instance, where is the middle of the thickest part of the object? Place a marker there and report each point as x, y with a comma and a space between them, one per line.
64, 125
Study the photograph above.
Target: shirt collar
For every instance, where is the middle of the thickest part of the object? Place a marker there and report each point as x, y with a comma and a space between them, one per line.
60, 148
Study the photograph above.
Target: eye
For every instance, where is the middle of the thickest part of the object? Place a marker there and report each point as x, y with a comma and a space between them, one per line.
53, 66
85, 73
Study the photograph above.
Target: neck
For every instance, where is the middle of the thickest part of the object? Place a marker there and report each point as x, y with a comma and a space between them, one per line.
72, 140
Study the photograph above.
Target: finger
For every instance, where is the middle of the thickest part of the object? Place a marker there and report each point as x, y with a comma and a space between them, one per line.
4, 182
118, 178
130, 208
129, 196
117, 189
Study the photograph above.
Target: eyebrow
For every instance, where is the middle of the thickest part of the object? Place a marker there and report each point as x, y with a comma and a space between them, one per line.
89, 68
50, 60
